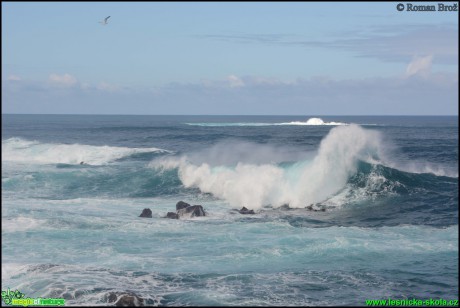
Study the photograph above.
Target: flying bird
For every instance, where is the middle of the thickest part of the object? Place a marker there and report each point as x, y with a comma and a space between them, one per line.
105, 21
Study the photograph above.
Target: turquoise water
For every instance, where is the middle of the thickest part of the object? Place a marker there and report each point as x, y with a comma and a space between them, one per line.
347, 208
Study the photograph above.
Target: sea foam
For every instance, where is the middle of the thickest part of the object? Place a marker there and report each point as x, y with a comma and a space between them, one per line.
27, 151
309, 122
312, 121
299, 185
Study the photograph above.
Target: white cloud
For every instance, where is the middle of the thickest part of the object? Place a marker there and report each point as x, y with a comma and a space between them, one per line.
235, 82
419, 66
437, 93
64, 80
69, 81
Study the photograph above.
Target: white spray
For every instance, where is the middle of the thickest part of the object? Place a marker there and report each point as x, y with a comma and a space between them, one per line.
26, 151
304, 183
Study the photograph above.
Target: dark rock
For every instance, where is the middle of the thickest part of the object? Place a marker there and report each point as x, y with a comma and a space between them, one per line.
129, 301
244, 210
192, 211
285, 207
146, 213
183, 209
316, 208
122, 299
181, 205
111, 297
172, 215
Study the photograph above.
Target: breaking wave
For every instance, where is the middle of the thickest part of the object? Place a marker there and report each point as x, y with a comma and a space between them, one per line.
309, 122
300, 183
26, 151
313, 121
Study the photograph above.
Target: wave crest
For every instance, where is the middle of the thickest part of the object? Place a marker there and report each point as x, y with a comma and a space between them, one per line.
309, 122
313, 121
299, 184
26, 151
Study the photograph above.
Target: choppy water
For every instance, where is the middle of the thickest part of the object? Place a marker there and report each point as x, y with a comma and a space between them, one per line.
347, 208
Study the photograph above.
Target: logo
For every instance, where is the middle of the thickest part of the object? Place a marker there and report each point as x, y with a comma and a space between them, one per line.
16, 298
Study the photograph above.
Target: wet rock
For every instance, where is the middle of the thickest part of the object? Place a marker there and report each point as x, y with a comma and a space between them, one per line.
185, 210
129, 301
122, 299
172, 215
191, 211
111, 297
245, 211
146, 213
181, 205
285, 207
316, 208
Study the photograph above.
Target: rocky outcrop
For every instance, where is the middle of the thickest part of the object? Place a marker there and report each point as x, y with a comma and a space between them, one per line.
122, 299
181, 205
245, 211
172, 215
316, 208
146, 213
191, 211
185, 210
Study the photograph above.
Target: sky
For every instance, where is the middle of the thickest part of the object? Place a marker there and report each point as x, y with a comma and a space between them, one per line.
229, 58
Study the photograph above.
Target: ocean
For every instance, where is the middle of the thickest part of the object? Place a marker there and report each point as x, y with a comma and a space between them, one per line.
346, 209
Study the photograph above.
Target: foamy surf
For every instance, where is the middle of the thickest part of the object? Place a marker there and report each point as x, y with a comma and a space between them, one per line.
312, 121
27, 151
309, 122
387, 224
319, 177
298, 185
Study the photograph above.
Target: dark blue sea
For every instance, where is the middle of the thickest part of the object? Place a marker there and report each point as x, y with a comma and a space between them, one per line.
347, 208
